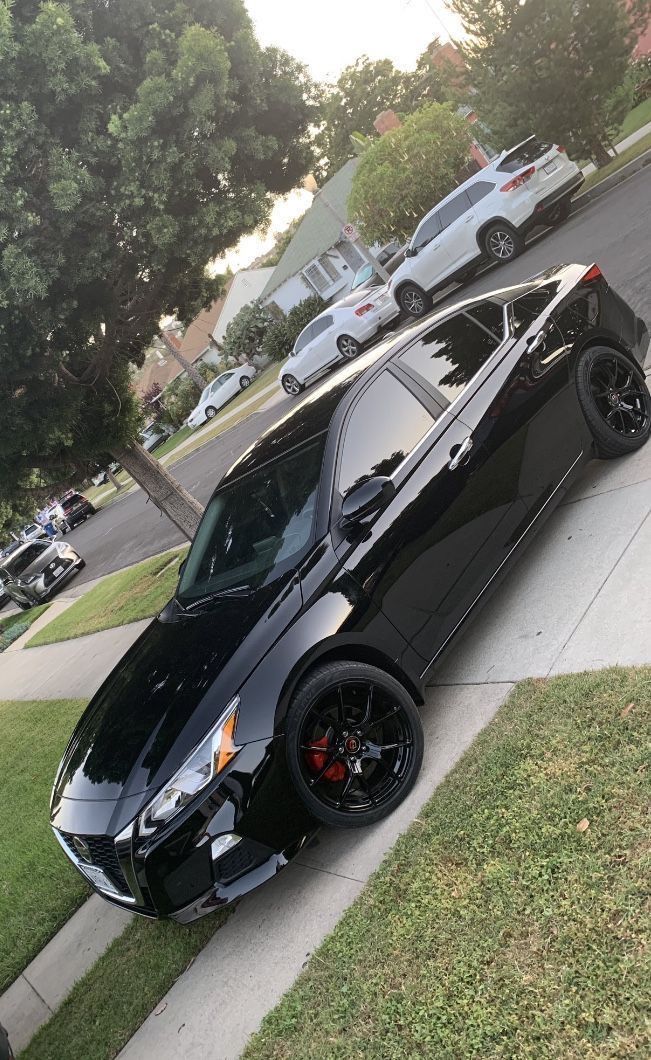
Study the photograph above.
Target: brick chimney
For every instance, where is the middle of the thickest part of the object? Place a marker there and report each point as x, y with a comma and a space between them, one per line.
386, 121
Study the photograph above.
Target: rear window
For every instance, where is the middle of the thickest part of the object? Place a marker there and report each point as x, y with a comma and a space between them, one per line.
524, 155
70, 502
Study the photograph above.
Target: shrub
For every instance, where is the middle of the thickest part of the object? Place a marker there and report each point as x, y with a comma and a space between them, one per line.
301, 315
276, 342
246, 331
8, 636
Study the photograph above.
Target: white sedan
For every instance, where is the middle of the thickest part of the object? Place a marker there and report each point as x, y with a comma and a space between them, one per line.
337, 333
219, 393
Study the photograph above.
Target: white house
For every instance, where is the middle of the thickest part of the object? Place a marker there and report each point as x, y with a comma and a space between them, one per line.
245, 287
318, 260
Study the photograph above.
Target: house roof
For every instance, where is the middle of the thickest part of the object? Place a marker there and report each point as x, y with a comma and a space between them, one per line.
246, 286
318, 231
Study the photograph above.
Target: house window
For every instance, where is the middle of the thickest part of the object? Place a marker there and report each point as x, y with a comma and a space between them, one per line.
316, 278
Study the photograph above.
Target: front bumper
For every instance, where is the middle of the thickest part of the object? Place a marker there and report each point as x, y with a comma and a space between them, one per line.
179, 872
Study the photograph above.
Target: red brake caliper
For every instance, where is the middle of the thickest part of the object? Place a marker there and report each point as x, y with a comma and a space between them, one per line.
317, 759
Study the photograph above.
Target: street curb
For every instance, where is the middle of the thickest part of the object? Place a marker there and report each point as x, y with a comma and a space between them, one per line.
611, 181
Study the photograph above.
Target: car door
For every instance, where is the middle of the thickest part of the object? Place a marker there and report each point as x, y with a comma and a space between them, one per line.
321, 350
426, 558
429, 261
458, 230
227, 387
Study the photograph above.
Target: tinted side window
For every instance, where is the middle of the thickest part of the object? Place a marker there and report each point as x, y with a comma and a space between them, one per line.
430, 228
449, 355
454, 209
320, 325
530, 306
491, 315
305, 337
477, 192
385, 425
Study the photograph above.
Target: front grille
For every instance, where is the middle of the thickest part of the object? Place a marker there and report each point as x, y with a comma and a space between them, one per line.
51, 567
104, 855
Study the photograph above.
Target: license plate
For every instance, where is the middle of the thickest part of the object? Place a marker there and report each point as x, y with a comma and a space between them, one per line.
98, 878
57, 571
550, 167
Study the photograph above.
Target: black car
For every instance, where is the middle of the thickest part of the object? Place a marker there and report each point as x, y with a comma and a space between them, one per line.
76, 509
335, 563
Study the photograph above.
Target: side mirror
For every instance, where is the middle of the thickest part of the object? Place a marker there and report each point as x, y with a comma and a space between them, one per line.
410, 252
366, 499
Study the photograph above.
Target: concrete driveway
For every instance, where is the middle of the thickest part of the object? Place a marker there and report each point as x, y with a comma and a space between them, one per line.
576, 600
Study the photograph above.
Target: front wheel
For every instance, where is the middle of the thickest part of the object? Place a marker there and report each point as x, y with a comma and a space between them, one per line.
211, 412
615, 400
414, 301
502, 243
348, 347
291, 385
244, 382
354, 743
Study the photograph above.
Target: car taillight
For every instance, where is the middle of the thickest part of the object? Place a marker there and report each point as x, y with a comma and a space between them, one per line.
563, 150
359, 312
593, 273
518, 181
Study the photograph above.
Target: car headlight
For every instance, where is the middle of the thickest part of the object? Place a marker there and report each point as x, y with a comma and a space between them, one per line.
206, 761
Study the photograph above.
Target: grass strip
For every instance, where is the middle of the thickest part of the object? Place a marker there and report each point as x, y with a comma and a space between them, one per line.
510, 920
39, 889
25, 619
635, 119
128, 596
107, 1006
621, 160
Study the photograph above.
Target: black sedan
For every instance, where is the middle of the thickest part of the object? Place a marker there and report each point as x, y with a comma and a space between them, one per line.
335, 563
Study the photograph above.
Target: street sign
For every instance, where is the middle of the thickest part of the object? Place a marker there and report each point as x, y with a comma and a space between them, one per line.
350, 233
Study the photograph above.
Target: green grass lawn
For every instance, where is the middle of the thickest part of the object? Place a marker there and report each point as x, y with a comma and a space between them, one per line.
172, 442
635, 119
128, 596
621, 160
39, 889
510, 920
23, 618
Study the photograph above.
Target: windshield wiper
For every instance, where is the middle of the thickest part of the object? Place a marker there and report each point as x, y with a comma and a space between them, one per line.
237, 590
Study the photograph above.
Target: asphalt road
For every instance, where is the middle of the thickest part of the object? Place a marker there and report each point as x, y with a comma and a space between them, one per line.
615, 231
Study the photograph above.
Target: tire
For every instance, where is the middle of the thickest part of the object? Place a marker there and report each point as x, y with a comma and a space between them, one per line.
292, 386
336, 707
559, 213
211, 412
615, 400
348, 347
81, 564
244, 382
91, 509
24, 607
502, 243
414, 301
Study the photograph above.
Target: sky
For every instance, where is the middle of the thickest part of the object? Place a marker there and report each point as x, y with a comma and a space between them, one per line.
327, 36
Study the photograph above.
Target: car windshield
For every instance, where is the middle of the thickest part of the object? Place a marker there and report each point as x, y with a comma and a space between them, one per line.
255, 528
25, 558
362, 275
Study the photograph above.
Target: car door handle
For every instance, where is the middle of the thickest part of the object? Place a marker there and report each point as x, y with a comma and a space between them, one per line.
536, 342
462, 452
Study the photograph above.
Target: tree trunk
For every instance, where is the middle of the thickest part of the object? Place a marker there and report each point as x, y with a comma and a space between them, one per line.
115, 482
168, 495
599, 153
188, 368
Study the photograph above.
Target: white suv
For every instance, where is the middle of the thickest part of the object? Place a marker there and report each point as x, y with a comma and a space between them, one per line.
486, 217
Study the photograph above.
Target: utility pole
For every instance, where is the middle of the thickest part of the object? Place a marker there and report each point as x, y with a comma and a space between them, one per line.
357, 243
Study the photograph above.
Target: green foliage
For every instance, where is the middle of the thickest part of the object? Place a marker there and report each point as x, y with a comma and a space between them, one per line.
15, 630
280, 336
407, 171
551, 67
363, 91
244, 334
138, 140
276, 343
641, 78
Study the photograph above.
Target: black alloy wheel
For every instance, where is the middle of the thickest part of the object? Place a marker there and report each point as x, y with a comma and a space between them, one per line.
615, 400
291, 385
210, 412
414, 301
348, 347
354, 744
244, 382
502, 244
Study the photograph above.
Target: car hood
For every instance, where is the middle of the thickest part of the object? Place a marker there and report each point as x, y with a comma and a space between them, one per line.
167, 691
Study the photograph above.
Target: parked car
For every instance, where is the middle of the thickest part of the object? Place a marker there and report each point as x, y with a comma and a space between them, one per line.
76, 509
151, 436
366, 276
486, 218
338, 333
220, 392
32, 532
4, 597
336, 562
37, 569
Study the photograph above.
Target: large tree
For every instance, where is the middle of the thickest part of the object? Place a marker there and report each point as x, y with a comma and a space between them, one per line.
551, 67
403, 174
138, 140
363, 91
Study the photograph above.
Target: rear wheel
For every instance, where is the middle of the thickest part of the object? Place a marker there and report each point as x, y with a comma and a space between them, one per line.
559, 212
210, 412
348, 346
244, 382
291, 385
414, 301
502, 243
354, 743
615, 400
